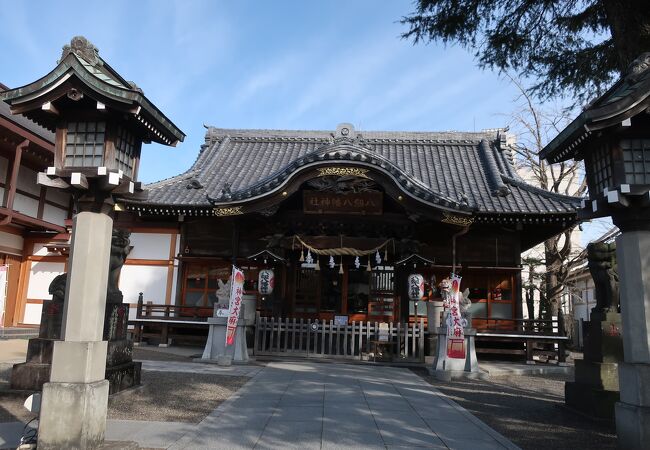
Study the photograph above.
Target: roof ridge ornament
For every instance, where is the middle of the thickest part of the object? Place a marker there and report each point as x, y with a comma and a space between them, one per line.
638, 67
345, 132
84, 49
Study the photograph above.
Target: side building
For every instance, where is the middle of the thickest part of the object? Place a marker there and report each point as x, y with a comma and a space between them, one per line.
31, 217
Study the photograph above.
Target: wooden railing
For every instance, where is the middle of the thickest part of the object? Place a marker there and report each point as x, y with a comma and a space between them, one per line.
521, 326
356, 340
523, 337
171, 312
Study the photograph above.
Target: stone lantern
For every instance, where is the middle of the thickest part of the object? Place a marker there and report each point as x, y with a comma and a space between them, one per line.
612, 136
100, 121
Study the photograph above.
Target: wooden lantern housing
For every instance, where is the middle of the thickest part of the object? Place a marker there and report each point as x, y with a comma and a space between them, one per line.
612, 136
100, 120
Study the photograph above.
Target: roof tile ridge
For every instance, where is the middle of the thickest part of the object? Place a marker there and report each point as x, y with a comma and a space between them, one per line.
167, 181
191, 172
523, 184
211, 155
267, 133
492, 172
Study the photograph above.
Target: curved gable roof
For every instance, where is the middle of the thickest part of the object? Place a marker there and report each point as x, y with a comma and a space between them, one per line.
462, 171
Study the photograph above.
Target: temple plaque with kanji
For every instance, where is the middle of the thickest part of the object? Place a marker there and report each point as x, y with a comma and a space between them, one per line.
361, 203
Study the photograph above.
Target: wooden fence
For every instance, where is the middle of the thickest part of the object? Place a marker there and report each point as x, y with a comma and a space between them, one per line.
356, 340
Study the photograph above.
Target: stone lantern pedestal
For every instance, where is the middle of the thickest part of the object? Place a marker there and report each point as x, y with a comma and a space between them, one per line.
215, 346
633, 411
75, 400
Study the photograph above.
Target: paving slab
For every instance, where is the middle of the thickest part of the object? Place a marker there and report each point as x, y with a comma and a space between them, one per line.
332, 405
303, 405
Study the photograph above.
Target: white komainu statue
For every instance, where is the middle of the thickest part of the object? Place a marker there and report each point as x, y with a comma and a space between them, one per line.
223, 293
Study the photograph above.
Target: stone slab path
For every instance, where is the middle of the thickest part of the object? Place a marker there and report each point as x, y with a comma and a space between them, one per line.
313, 405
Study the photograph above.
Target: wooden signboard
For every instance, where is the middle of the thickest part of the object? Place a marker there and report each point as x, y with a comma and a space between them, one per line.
361, 203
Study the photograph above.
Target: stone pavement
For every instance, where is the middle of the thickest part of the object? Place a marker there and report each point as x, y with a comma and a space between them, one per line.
319, 405
328, 405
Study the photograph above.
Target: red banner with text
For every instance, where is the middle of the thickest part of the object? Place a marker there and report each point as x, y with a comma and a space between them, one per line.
455, 330
236, 292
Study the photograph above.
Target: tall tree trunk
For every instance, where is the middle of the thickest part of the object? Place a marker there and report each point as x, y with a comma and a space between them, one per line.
530, 293
629, 23
553, 289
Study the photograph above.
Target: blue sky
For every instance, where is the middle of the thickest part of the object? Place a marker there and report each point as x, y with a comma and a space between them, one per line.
261, 64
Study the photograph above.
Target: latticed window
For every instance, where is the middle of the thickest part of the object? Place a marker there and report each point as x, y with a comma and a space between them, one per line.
85, 144
602, 169
636, 155
125, 151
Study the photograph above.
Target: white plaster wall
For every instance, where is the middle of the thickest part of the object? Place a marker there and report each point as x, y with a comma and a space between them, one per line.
150, 246
32, 313
27, 181
174, 282
41, 250
12, 241
54, 215
41, 275
150, 280
26, 205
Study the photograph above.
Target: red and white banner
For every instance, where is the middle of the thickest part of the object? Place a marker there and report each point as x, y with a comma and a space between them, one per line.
236, 292
455, 332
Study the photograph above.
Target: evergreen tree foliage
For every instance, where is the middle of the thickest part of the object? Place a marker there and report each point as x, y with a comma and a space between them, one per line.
575, 47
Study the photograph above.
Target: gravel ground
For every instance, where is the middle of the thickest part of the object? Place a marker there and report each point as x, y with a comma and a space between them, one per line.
529, 410
163, 396
173, 397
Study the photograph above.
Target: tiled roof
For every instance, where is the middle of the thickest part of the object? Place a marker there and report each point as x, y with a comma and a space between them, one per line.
473, 172
26, 124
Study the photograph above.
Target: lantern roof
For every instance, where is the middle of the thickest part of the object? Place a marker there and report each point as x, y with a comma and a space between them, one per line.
629, 97
82, 69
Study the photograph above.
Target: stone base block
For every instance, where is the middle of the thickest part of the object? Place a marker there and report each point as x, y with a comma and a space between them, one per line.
635, 384
633, 426
123, 376
589, 400
73, 415
215, 346
599, 375
449, 375
30, 376
40, 350
119, 352
78, 361
604, 341
443, 362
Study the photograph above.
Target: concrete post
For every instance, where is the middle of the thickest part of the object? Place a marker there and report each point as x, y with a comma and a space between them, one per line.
75, 401
633, 412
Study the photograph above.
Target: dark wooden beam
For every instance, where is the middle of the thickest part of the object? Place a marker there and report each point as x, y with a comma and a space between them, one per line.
31, 221
25, 134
